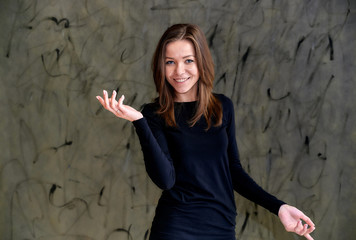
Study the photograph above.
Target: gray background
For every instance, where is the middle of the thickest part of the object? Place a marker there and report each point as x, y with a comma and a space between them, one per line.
71, 170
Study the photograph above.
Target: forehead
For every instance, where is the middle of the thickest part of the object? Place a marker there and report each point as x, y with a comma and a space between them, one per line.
179, 48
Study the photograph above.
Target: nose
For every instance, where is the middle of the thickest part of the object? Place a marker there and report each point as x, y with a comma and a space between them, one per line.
180, 69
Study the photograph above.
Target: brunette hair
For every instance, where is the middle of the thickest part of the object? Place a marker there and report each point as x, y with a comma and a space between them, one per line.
207, 104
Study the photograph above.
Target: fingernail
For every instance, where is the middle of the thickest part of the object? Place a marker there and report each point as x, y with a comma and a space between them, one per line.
105, 92
97, 97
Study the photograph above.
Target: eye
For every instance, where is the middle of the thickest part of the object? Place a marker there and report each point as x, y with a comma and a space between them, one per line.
170, 62
189, 60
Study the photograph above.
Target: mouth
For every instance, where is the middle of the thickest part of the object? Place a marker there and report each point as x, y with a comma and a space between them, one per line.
181, 80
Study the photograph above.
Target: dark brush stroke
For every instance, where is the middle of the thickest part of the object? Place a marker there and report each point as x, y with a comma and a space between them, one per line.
118, 89
101, 196
331, 47
245, 56
51, 192
100, 110
67, 204
322, 156
45, 68
133, 189
65, 20
269, 163
319, 62
298, 45
276, 99
222, 78
58, 54
55, 20
11, 36
129, 59
307, 144
70, 205
243, 227
267, 124
66, 143
234, 85
145, 237
211, 38
129, 237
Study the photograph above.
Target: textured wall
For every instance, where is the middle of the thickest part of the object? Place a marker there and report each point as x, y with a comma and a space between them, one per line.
70, 170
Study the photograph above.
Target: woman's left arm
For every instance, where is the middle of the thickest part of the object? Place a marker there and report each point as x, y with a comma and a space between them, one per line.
290, 216
242, 182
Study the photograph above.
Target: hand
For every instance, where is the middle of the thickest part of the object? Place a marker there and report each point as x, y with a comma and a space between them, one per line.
118, 108
291, 219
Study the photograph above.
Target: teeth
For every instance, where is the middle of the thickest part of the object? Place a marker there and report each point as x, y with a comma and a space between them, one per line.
181, 80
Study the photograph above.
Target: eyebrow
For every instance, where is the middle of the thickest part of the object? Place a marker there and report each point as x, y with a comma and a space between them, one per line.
183, 57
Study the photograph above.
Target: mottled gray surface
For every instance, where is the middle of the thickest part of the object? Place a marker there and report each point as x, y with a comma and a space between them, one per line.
70, 170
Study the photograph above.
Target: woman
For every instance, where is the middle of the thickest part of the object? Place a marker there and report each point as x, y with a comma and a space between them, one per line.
188, 141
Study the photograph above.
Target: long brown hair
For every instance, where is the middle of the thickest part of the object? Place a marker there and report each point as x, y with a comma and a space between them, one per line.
207, 104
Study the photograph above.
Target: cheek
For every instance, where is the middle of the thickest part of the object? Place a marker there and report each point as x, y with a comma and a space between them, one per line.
167, 72
195, 72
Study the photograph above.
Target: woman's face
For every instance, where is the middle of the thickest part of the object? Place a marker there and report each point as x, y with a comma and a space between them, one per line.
182, 70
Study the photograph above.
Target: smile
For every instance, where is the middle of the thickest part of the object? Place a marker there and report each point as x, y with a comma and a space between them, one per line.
180, 80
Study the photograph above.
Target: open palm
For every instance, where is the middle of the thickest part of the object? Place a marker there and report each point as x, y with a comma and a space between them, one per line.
118, 108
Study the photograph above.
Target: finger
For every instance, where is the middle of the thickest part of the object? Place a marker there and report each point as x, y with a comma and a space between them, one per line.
113, 99
307, 236
307, 220
299, 228
304, 230
106, 99
100, 100
121, 101
310, 230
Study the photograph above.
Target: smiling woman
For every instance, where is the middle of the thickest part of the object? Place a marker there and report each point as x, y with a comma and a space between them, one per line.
179, 41
189, 146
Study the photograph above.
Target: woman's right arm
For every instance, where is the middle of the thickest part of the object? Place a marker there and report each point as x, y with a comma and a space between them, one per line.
158, 162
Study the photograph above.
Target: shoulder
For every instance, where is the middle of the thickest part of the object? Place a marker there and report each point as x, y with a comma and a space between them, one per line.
149, 111
149, 108
225, 101
228, 108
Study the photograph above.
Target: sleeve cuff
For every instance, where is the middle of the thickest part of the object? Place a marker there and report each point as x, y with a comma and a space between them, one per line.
139, 123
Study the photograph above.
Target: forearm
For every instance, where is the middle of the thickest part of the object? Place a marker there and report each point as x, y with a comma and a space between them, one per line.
158, 164
248, 188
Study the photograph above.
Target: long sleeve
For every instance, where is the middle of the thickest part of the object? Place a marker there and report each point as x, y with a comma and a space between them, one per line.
158, 162
242, 182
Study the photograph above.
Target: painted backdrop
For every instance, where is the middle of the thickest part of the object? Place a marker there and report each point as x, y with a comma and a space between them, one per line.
71, 170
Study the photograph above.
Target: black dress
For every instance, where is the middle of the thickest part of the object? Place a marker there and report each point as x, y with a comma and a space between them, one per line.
198, 171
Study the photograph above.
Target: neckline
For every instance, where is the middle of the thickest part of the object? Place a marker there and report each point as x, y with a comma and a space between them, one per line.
189, 102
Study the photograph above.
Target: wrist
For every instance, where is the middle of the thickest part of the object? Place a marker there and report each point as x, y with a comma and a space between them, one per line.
283, 206
137, 117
